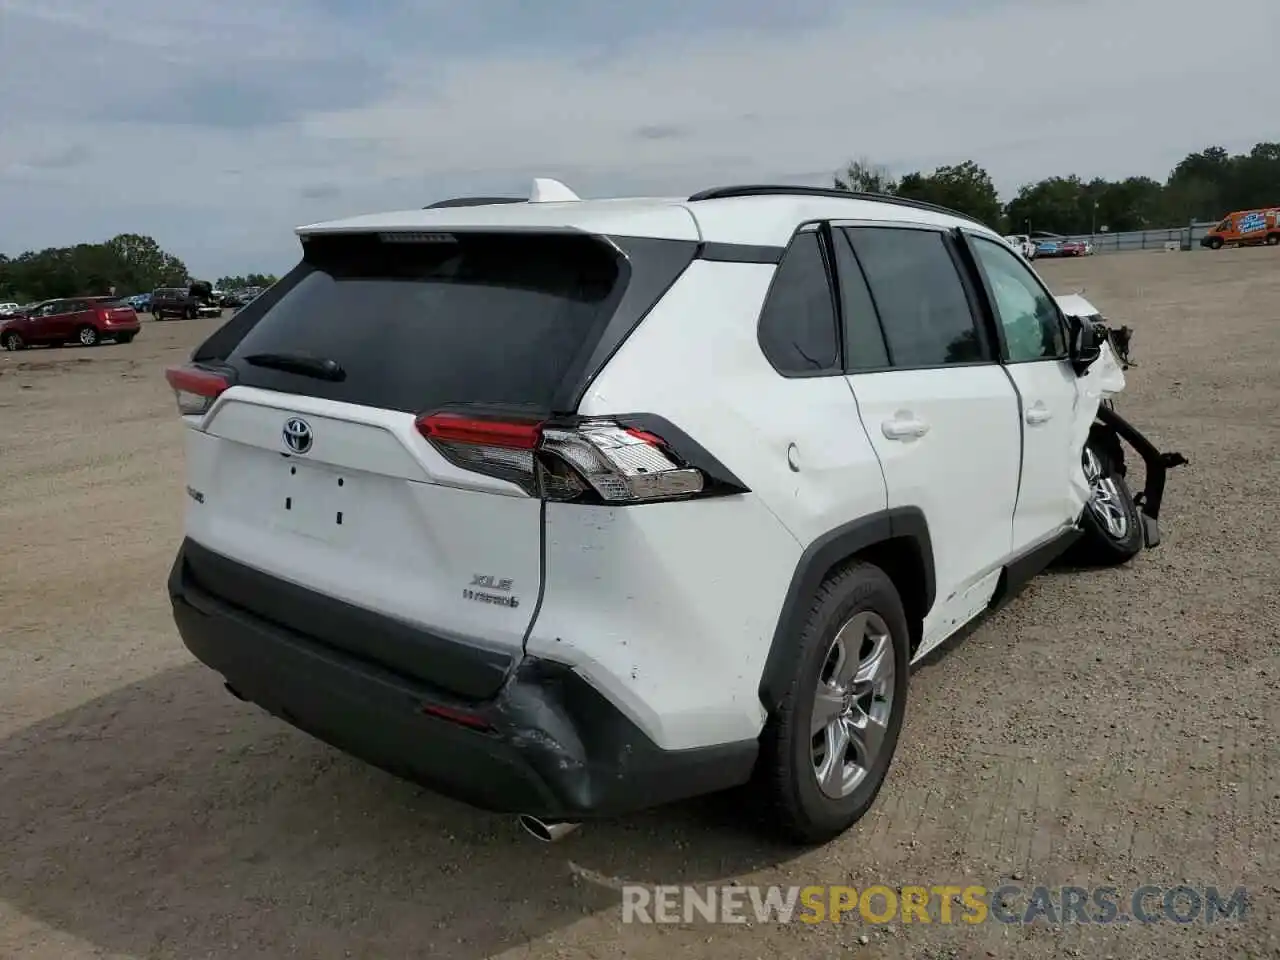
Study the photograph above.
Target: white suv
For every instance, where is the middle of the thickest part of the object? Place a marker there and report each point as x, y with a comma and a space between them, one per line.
568, 508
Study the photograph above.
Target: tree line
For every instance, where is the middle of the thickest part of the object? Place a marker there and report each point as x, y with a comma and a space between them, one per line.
125, 264
122, 266
1203, 186
260, 280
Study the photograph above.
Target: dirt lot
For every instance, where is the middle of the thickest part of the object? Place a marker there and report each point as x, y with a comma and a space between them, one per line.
1115, 728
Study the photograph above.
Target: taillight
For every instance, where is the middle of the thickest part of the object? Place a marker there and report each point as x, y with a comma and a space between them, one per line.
195, 389
621, 465
597, 461
498, 448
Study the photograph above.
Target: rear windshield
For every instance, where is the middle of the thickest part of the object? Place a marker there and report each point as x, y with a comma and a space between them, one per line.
445, 319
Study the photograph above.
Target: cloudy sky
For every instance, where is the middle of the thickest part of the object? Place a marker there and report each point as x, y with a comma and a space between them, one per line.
217, 127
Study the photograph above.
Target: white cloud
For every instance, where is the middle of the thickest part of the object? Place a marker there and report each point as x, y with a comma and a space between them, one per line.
1098, 87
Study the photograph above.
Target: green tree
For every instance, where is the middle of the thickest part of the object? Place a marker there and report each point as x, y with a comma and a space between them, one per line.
966, 188
1055, 204
142, 265
125, 264
862, 176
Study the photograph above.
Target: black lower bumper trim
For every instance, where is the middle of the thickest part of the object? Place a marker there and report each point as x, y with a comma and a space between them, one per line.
1158, 465
551, 745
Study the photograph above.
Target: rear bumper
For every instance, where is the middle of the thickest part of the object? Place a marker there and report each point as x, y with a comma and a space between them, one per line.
548, 744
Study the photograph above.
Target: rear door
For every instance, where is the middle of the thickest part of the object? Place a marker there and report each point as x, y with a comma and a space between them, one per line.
79, 313
324, 478
941, 413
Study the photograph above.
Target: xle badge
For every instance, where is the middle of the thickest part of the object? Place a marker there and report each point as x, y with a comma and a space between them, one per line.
483, 583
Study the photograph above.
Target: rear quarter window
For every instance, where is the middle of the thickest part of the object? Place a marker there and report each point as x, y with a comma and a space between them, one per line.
797, 330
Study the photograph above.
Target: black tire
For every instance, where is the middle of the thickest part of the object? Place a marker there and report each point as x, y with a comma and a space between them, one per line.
1101, 546
1273, 239
87, 336
786, 774
191, 313
13, 341
1215, 243
125, 337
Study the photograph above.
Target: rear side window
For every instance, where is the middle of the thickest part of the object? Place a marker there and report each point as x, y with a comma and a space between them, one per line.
919, 296
449, 319
798, 323
864, 347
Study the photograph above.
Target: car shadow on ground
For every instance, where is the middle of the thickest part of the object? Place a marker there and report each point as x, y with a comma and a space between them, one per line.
168, 818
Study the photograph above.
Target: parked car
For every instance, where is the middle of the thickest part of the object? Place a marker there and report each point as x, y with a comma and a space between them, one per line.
1245, 228
173, 302
141, 302
556, 577
185, 302
1023, 244
9, 309
84, 320
1077, 248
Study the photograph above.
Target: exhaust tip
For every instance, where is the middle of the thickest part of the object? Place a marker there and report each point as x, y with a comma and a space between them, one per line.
543, 831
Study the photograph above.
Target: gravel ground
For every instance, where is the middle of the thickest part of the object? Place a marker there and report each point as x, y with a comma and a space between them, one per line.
1108, 728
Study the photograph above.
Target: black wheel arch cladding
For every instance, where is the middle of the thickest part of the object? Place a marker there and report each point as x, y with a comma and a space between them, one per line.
904, 527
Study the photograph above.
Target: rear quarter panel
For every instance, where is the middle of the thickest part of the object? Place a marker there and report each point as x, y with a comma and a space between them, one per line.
670, 609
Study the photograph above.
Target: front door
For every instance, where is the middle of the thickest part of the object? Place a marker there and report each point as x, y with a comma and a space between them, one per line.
1034, 348
49, 323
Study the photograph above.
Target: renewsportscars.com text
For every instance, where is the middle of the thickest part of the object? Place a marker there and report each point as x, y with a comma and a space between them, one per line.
943, 904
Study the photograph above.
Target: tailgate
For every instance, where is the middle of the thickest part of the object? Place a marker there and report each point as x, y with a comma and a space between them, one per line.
311, 467
418, 554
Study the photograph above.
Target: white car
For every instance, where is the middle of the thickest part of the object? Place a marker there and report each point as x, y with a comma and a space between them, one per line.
570, 508
9, 308
1023, 244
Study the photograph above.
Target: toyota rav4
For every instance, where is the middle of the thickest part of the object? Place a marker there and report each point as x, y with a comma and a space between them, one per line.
569, 508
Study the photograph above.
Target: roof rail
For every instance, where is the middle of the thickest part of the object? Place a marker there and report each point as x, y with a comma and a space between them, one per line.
472, 202
783, 190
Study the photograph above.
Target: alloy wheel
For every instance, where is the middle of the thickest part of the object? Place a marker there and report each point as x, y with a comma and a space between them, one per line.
852, 705
1105, 501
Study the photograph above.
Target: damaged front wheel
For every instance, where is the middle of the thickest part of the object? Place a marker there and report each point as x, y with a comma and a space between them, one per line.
1111, 525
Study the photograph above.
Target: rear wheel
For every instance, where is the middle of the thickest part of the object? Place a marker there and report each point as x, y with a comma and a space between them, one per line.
14, 341
1273, 239
1112, 527
826, 750
87, 336
191, 313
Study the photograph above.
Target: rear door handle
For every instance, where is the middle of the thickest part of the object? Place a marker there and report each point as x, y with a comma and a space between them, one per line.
904, 427
1039, 413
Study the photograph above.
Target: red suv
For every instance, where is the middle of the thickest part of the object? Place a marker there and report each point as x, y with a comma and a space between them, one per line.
85, 320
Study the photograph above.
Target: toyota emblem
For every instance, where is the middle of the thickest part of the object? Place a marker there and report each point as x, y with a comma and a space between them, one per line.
297, 435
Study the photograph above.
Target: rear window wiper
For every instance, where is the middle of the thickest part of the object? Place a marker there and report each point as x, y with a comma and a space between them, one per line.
317, 367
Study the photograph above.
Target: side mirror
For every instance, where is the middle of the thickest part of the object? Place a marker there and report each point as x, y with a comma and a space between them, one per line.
1086, 343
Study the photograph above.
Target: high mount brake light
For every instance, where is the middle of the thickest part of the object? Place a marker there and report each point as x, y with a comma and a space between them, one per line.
195, 389
596, 460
